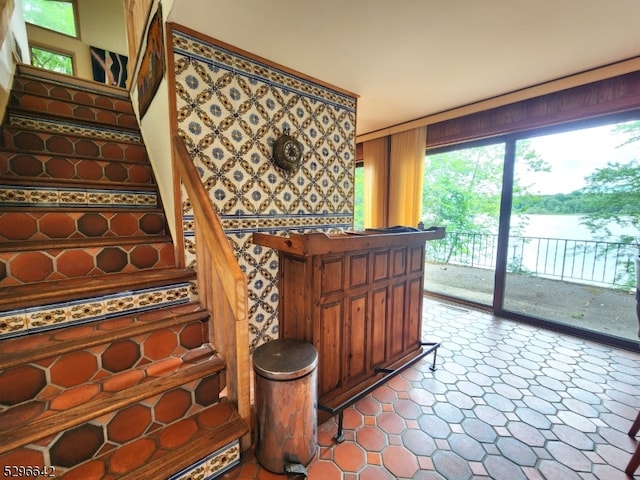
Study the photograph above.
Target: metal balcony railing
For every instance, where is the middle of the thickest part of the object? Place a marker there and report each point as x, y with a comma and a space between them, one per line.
608, 264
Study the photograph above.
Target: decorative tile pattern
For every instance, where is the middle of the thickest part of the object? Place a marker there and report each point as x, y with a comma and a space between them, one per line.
213, 465
230, 111
508, 401
68, 128
46, 317
46, 143
65, 197
76, 223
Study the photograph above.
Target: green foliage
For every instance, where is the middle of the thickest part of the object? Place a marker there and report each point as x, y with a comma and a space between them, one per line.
56, 15
613, 194
358, 207
51, 60
462, 188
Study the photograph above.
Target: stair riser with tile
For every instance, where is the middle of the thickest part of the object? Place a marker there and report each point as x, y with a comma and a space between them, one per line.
61, 169
110, 100
64, 108
111, 147
115, 428
66, 376
21, 225
54, 263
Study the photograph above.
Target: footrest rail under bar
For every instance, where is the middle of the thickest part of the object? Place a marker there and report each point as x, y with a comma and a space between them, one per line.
388, 374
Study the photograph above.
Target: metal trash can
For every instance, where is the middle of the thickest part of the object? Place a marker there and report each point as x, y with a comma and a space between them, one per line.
286, 405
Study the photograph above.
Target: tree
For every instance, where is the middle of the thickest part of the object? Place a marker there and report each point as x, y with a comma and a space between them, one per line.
613, 196
462, 190
55, 15
613, 192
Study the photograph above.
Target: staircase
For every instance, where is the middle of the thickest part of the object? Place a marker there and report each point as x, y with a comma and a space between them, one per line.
106, 368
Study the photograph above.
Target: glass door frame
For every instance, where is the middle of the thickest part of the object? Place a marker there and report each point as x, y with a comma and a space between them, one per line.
504, 230
506, 201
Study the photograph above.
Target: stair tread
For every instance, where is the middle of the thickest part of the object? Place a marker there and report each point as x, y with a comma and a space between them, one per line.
31, 348
81, 242
208, 430
55, 182
26, 295
106, 395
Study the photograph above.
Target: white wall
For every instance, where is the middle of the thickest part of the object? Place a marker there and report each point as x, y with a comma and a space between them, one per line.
156, 133
16, 39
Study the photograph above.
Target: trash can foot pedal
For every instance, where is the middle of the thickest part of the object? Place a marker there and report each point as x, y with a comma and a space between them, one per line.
295, 468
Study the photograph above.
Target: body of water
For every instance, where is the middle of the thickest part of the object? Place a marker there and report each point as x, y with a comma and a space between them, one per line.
565, 227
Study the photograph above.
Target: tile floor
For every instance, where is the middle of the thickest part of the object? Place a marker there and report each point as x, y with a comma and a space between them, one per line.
507, 402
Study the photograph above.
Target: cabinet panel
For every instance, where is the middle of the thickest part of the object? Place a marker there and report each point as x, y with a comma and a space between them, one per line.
295, 320
331, 275
416, 259
395, 328
380, 265
356, 347
413, 320
329, 345
378, 325
399, 262
358, 270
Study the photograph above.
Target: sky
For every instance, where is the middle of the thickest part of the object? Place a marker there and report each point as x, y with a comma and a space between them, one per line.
573, 156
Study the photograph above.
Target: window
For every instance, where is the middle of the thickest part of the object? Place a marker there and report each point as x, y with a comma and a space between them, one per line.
358, 211
57, 15
543, 225
52, 60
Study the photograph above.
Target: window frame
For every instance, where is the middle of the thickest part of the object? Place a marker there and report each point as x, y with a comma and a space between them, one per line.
56, 51
74, 6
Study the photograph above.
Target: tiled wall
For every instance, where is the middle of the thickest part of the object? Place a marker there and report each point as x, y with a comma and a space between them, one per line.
230, 111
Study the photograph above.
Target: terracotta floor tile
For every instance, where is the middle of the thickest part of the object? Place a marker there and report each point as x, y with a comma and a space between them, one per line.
323, 470
400, 461
371, 438
390, 422
349, 457
535, 405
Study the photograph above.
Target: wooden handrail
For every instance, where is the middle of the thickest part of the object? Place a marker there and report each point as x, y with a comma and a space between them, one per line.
222, 286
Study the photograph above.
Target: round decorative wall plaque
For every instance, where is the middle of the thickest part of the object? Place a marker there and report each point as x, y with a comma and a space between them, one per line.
287, 151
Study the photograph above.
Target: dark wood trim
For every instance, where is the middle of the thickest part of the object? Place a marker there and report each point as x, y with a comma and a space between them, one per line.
604, 97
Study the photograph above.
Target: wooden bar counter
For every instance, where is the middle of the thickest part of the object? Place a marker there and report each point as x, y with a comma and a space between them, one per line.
357, 297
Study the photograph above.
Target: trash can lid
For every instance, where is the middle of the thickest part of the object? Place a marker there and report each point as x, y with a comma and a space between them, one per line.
284, 359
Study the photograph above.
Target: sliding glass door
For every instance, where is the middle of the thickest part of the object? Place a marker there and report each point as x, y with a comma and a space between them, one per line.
541, 226
574, 228
462, 191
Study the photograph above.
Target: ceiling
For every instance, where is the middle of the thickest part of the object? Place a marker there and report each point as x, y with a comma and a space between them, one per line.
408, 59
